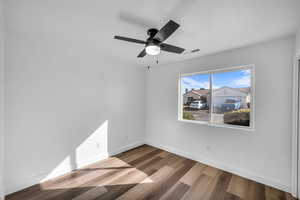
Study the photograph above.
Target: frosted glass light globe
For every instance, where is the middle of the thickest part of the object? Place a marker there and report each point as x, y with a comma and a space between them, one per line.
153, 50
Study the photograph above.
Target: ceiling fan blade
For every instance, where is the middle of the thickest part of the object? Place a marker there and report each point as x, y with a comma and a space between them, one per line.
129, 39
171, 48
166, 31
142, 54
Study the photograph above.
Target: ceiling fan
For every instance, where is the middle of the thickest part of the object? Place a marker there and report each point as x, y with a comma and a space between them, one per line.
154, 44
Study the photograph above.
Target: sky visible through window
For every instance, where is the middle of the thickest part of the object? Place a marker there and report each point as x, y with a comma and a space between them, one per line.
234, 79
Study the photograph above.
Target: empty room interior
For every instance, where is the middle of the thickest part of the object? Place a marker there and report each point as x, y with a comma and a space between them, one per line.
160, 100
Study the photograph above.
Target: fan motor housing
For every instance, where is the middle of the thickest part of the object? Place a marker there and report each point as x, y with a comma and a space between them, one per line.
151, 41
152, 32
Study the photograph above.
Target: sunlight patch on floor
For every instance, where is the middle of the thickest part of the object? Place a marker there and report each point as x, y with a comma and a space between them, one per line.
127, 176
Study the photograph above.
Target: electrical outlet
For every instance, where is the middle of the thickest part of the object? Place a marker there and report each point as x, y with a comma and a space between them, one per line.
98, 145
207, 148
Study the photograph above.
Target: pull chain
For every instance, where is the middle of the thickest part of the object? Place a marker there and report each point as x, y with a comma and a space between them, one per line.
156, 59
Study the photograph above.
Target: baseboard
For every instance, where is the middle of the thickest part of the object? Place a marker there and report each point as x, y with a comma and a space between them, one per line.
1, 193
223, 166
39, 178
126, 148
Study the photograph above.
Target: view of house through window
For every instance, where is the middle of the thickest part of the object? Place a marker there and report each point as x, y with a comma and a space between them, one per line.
196, 97
218, 97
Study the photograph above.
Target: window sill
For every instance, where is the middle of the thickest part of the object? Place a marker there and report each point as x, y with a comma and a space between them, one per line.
218, 125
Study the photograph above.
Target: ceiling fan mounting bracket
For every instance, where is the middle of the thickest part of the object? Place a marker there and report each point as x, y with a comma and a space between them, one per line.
152, 32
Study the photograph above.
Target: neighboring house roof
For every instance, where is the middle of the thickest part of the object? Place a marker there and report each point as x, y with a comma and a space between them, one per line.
198, 92
202, 92
245, 90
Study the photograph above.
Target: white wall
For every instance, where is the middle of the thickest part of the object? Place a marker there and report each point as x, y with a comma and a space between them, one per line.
69, 100
1, 100
298, 43
297, 51
264, 154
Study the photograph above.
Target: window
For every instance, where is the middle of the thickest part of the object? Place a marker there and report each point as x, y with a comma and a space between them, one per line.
220, 97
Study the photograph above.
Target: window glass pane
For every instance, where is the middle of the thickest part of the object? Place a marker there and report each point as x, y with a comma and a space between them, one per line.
195, 90
231, 97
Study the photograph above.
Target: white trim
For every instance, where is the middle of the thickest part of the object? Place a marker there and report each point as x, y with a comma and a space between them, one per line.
297, 136
180, 99
218, 70
210, 72
1, 192
25, 182
226, 167
210, 96
217, 125
295, 185
126, 148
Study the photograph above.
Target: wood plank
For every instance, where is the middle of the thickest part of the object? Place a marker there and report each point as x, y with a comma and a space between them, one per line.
210, 171
238, 186
256, 191
121, 185
137, 155
169, 182
142, 190
229, 196
192, 175
199, 188
187, 179
273, 194
221, 186
212, 185
97, 191
164, 154
176, 193
145, 157
289, 197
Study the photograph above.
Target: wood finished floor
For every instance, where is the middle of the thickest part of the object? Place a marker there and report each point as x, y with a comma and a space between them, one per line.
149, 173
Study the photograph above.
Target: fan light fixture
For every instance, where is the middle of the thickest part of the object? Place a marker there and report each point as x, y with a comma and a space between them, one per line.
152, 50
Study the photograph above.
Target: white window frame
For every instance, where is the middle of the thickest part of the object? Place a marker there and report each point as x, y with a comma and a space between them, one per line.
220, 70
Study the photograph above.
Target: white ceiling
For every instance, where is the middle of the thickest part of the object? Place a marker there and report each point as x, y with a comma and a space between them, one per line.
210, 25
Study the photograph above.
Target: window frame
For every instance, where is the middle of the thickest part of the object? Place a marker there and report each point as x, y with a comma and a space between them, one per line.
220, 70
